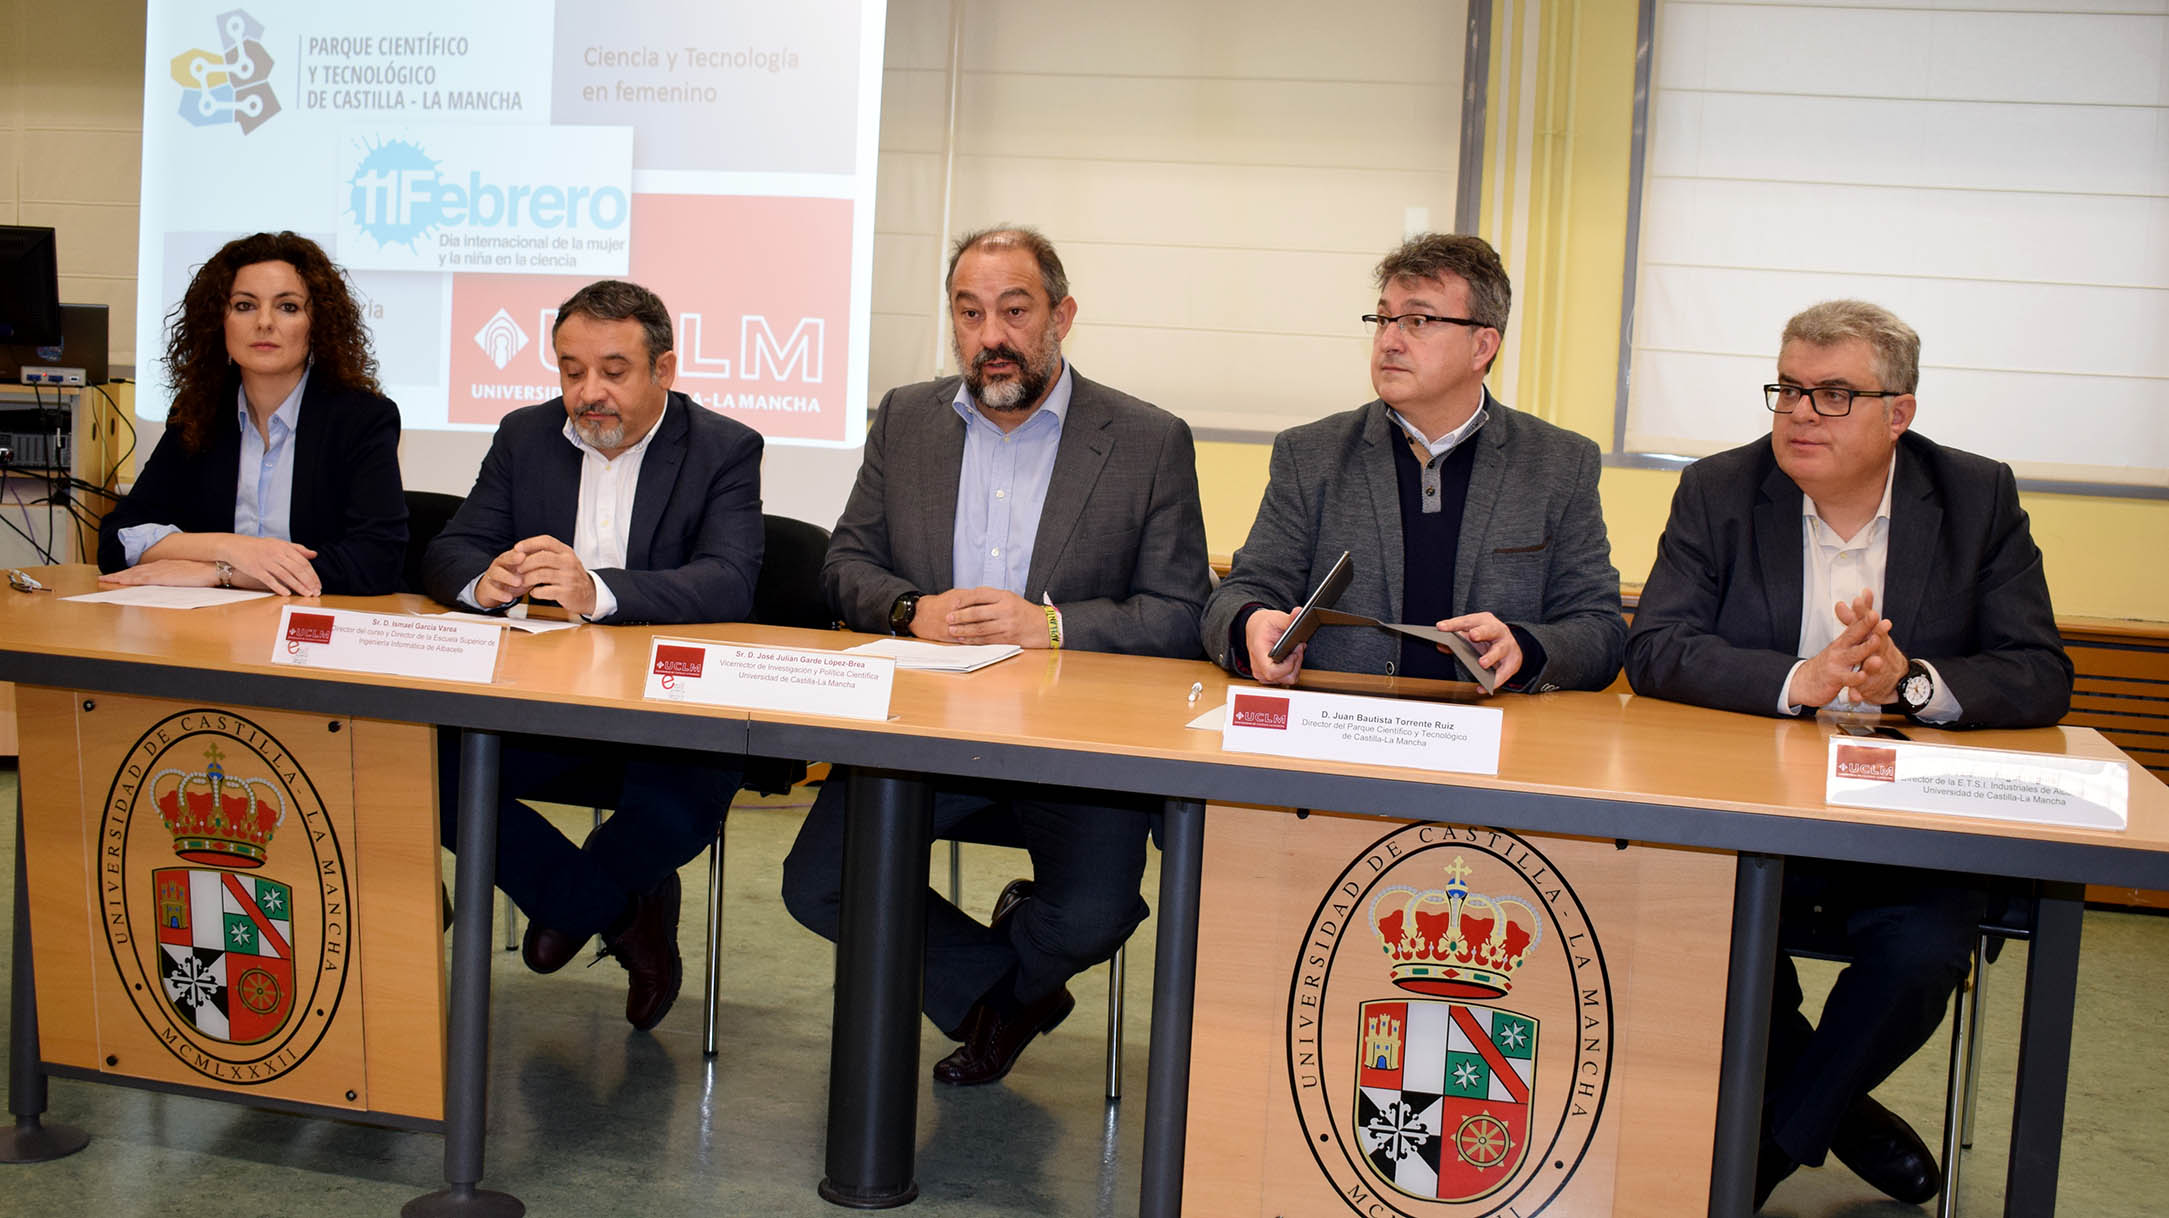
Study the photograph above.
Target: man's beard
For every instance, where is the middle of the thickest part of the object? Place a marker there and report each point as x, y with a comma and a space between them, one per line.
600, 430
1018, 392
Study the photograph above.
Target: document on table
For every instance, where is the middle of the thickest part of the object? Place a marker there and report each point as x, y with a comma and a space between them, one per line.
922, 656
158, 596
530, 625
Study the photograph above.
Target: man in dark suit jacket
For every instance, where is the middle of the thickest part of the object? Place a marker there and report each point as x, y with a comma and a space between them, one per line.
1848, 561
1456, 510
623, 502
1026, 505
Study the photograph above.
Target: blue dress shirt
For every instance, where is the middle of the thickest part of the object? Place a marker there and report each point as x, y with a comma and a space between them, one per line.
1001, 489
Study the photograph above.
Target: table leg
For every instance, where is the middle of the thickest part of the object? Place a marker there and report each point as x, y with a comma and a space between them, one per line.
1756, 891
873, 1064
31, 1140
1174, 994
466, 1080
2044, 1053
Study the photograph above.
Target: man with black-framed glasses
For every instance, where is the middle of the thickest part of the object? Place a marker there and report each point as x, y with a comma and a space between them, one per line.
1456, 510
1848, 561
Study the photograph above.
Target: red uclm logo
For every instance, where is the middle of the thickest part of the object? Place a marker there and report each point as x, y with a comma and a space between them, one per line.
1878, 765
1252, 710
309, 628
672, 661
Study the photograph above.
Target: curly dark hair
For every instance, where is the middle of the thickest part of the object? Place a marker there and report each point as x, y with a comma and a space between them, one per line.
196, 359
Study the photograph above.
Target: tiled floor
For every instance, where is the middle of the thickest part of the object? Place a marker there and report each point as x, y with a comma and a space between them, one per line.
587, 1117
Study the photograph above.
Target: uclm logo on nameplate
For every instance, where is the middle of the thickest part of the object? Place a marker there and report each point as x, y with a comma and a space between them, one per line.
308, 628
1254, 711
1876, 765
673, 661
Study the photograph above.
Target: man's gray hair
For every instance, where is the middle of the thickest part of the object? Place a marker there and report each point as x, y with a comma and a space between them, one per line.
1895, 344
1014, 237
617, 300
1470, 259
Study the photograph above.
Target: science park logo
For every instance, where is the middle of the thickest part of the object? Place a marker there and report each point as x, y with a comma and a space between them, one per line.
232, 86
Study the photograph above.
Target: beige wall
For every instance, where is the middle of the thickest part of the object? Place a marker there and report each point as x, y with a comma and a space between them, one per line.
71, 142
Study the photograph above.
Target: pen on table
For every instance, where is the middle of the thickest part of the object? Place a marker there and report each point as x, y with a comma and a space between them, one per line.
1196, 688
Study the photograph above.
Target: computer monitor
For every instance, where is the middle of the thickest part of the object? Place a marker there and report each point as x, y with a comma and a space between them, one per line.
85, 333
29, 286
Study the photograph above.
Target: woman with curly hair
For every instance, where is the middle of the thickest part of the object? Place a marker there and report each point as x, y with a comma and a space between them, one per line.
279, 467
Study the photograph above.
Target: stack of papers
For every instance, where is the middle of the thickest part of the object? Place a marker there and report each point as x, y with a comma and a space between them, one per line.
922, 656
160, 596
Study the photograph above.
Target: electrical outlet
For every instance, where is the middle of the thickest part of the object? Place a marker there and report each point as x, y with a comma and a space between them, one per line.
41, 375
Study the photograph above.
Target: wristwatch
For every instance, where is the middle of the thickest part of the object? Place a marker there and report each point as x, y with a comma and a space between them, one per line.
901, 613
1917, 689
225, 572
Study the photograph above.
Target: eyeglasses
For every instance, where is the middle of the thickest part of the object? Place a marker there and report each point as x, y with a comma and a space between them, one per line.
1830, 401
1415, 324
23, 583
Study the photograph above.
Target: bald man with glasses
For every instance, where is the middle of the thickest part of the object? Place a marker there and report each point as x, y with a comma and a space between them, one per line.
1847, 561
1456, 511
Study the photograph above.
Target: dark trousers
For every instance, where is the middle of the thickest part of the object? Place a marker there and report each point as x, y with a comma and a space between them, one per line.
1909, 935
1088, 858
665, 805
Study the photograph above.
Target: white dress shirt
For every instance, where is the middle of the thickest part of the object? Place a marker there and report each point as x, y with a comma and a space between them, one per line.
1834, 569
605, 519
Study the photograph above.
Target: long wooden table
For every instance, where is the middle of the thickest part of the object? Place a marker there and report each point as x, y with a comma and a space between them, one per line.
1578, 764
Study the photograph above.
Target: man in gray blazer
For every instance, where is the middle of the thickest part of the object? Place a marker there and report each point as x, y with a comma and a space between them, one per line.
1018, 504
622, 502
1457, 510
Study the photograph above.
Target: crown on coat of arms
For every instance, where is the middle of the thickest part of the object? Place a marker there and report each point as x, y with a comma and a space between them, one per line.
215, 818
1454, 943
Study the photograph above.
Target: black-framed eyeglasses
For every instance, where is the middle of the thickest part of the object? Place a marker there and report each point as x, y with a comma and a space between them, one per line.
1830, 401
1414, 324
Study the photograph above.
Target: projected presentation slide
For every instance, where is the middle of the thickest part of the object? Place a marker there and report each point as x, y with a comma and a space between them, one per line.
472, 164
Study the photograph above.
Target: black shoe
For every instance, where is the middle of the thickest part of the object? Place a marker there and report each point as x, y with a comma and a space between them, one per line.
995, 1036
545, 950
1014, 893
1884, 1151
648, 948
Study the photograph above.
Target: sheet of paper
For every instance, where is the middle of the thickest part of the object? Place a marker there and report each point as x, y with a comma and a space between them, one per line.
156, 596
530, 625
922, 656
1212, 720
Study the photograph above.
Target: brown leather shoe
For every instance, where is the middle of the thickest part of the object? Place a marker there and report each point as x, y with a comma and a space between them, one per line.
545, 950
648, 948
994, 1039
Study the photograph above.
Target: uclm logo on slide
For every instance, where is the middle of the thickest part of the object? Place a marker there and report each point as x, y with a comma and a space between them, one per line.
1253, 710
231, 85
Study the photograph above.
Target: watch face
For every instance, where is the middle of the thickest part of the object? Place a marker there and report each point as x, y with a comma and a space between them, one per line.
1916, 690
901, 613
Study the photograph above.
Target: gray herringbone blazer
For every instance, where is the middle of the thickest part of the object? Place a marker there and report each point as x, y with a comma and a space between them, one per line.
1533, 550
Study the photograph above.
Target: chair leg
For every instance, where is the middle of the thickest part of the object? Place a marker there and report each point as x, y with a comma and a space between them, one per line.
1958, 1082
711, 1009
956, 872
512, 925
1115, 979
1973, 1035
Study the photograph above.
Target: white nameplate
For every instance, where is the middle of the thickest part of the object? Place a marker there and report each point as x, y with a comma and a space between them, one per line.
387, 644
771, 678
2040, 788
1376, 731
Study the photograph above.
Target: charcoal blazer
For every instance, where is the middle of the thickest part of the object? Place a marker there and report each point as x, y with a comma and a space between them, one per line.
1121, 540
1719, 620
347, 502
693, 549
1533, 550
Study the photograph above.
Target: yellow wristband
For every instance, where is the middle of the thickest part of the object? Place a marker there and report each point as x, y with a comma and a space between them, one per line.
1054, 627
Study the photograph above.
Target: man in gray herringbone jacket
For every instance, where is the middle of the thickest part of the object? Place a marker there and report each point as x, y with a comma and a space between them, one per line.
1457, 510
